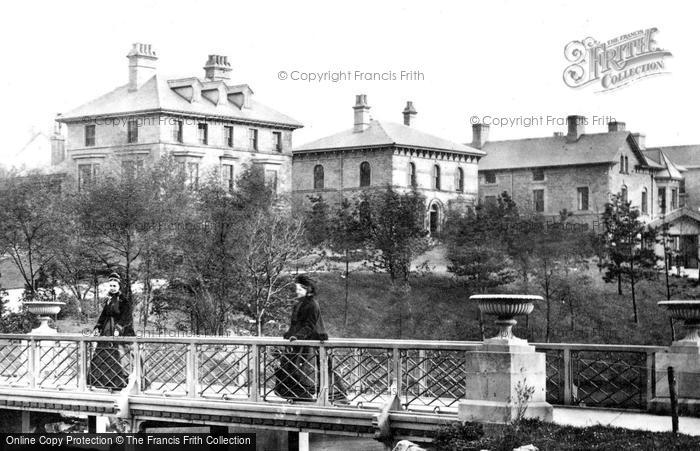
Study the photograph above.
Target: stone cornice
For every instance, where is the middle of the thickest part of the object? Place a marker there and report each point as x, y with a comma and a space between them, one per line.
431, 154
164, 112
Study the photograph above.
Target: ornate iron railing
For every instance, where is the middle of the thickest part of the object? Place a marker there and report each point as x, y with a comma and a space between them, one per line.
425, 375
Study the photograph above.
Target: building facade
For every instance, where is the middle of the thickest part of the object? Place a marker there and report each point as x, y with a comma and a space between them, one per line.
204, 123
377, 154
578, 172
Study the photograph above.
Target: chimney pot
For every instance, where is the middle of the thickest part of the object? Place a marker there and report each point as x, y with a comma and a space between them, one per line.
616, 126
361, 113
142, 65
217, 67
480, 135
576, 127
409, 114
641, 140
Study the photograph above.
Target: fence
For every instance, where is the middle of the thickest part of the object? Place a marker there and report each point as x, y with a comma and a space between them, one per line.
359, 373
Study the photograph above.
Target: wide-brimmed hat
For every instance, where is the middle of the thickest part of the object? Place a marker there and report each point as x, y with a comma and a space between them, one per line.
115, 276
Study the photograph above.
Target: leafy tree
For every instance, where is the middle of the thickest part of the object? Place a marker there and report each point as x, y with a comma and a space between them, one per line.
476, 252
28, 223
628, 245
557, 248
394, 224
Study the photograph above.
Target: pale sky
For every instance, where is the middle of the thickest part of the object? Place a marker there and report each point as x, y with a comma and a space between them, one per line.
477, 58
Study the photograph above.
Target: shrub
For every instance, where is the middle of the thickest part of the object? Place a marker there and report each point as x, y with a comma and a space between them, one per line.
459, 436
18, 323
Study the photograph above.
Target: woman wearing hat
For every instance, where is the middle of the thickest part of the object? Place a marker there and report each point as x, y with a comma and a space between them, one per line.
297, 377
106, 370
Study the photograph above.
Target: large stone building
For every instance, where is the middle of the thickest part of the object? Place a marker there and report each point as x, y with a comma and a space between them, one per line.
202, 122
578, 172
375, 154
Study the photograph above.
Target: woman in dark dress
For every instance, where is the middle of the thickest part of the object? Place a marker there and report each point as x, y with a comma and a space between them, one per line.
106, 370
297, 376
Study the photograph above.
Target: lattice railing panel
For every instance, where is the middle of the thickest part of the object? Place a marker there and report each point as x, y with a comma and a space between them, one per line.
609, 379
224, 370
433, 378
290, 373
14, 363
555, 375
365, 373
58, 364
164, 368
109, 365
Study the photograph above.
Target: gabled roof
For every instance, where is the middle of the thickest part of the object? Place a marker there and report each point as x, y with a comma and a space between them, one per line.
386, 134
157, 95
668, 170
593, 148
675, 215
686, 156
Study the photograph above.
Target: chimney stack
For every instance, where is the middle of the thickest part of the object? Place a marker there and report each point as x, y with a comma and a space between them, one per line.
641, 140
142, 65
480, 135
361, 113
217, 67
576, 126
615, 126
58, 145
409, 114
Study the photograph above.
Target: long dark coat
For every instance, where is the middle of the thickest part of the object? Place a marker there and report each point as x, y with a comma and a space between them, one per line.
106, 370
297, 375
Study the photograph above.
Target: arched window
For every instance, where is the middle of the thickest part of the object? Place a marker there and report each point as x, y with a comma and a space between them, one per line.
411, 174
318, 177
434, 218
623, 193
436, 177
365, 174
645, 200
627, 165
622, 164
459, 180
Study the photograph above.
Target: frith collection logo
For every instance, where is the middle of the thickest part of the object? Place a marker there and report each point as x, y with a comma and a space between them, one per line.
614, 63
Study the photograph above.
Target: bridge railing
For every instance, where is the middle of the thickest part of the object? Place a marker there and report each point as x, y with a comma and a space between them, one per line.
361, 373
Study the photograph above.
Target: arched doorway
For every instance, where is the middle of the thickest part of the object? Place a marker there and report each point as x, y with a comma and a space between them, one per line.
434, 218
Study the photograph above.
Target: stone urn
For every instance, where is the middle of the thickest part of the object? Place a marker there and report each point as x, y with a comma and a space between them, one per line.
43, 309
689, 312
505, 307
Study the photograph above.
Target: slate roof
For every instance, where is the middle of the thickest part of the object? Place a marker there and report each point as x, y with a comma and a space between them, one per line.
687, 156
380, 133
557, 151
156, 94
669, 170
674, 215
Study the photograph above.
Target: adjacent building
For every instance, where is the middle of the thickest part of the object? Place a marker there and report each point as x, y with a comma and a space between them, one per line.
203, 122
376, 154
578, 172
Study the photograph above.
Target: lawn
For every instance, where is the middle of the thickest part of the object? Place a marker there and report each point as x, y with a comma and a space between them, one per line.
549, 436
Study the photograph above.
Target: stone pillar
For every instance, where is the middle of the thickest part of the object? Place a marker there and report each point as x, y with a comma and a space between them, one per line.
684, 356
506, 378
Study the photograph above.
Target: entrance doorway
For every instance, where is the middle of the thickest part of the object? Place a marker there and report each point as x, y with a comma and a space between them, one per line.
434, 218
688, 251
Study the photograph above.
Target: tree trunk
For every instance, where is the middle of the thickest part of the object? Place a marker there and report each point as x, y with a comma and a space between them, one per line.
619, 282
632, 283
347, 281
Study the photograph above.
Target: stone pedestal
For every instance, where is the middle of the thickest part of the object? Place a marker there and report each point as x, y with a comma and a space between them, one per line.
684, 357
498, 376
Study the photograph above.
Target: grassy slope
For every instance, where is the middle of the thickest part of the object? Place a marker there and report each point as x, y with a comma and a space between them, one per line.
437, 308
